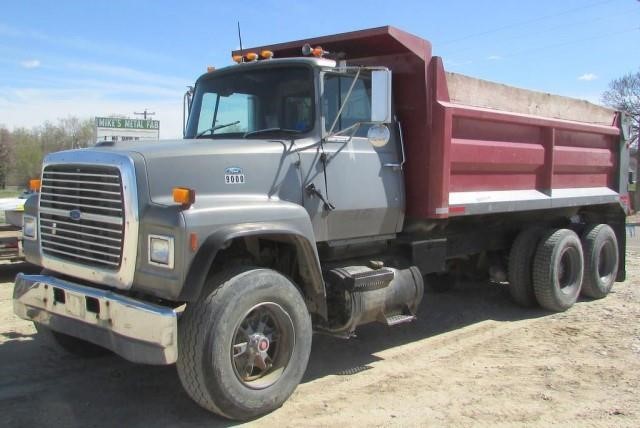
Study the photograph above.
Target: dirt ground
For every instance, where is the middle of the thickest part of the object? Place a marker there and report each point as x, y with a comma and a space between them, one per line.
472, 358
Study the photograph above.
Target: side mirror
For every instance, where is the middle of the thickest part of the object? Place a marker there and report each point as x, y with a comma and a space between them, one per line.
381, 96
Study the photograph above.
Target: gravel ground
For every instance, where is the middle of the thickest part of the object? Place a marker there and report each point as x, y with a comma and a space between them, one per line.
472, 358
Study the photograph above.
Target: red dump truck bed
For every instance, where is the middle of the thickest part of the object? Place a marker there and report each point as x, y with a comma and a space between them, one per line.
467, 159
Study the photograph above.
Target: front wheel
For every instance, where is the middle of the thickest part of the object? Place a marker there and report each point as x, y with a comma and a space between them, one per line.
244, 347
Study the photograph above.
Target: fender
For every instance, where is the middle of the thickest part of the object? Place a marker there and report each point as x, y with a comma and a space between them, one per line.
218, 240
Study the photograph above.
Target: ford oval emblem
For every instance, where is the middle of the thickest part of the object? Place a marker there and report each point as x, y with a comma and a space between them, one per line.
233, 170
75, 215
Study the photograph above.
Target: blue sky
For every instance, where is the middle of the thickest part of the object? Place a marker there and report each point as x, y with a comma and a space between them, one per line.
88, 58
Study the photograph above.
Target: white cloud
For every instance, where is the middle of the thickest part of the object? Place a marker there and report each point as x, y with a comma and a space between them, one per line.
30, 63
83, 45
494, 57
129, 74
32, 107
588, 77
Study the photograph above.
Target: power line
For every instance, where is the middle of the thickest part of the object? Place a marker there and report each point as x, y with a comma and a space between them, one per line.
526, 22
569, 42
550, 29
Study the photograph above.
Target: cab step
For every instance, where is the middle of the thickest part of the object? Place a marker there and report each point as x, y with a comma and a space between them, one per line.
399, 319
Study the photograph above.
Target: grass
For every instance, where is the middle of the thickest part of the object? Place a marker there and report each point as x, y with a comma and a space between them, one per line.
7, 193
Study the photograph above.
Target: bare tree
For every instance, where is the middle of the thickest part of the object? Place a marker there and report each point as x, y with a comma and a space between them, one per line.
624, 94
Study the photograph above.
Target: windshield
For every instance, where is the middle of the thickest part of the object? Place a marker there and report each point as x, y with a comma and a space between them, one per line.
273, 100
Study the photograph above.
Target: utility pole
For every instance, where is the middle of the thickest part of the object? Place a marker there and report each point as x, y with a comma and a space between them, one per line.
145, 113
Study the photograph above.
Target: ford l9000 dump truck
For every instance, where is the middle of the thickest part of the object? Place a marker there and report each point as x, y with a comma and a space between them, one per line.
320, 184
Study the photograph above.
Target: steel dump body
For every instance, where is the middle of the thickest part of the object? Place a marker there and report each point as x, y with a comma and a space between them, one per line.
468, 153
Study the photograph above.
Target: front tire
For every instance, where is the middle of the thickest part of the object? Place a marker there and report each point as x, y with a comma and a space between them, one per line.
244, 346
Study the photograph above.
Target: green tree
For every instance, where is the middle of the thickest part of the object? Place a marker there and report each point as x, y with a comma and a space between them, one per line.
5, 155
22, 150
28, 156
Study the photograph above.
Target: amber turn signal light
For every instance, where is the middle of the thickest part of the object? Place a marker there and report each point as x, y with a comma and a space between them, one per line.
184, 196
35, 184
193, 242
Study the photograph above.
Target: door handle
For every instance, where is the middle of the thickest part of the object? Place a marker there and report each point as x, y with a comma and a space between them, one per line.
313, 190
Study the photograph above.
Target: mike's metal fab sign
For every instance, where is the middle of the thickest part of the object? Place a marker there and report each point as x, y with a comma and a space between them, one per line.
123, 129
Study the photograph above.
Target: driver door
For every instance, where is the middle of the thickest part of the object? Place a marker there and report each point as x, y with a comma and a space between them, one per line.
357, 179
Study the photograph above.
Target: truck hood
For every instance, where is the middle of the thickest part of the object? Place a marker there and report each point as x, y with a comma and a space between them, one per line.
267, 168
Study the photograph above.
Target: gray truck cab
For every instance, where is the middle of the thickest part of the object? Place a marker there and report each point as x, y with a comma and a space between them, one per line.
349, 187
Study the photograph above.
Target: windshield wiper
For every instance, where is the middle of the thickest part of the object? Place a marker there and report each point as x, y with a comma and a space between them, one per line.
215, 128
268, 130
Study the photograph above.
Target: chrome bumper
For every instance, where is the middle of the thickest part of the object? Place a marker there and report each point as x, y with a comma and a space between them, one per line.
138, 331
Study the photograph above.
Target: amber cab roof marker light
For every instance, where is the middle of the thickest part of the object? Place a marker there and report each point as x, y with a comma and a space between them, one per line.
318, 52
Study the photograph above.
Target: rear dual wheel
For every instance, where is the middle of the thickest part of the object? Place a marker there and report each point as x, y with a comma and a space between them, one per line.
520, 266
558, 268
553, 268
601, 260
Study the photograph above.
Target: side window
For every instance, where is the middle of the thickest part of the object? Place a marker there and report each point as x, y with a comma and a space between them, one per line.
358, 107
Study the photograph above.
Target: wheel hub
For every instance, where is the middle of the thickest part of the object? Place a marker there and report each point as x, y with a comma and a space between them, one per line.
262, 345
258, 343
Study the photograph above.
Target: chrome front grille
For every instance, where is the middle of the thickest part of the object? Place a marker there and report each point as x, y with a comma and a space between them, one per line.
82, 214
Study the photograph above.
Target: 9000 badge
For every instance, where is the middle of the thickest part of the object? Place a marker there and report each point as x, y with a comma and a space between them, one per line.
233, 175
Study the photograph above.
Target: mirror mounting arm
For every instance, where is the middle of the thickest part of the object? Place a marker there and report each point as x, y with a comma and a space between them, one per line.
344, 103
400, 165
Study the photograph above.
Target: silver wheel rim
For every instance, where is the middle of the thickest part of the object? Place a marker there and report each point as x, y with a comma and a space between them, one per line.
262, 345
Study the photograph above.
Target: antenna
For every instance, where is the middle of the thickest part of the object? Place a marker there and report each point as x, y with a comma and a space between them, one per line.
240, 39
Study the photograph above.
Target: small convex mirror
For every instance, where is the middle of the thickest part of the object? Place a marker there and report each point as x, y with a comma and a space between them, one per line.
378, 135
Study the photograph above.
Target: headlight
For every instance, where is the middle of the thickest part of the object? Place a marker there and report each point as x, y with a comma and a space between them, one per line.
161, 251
29, 229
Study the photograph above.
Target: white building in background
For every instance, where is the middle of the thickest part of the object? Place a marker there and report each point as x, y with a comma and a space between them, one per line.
122, 129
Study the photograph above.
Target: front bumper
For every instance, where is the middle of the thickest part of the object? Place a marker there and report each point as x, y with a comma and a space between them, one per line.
138, 331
